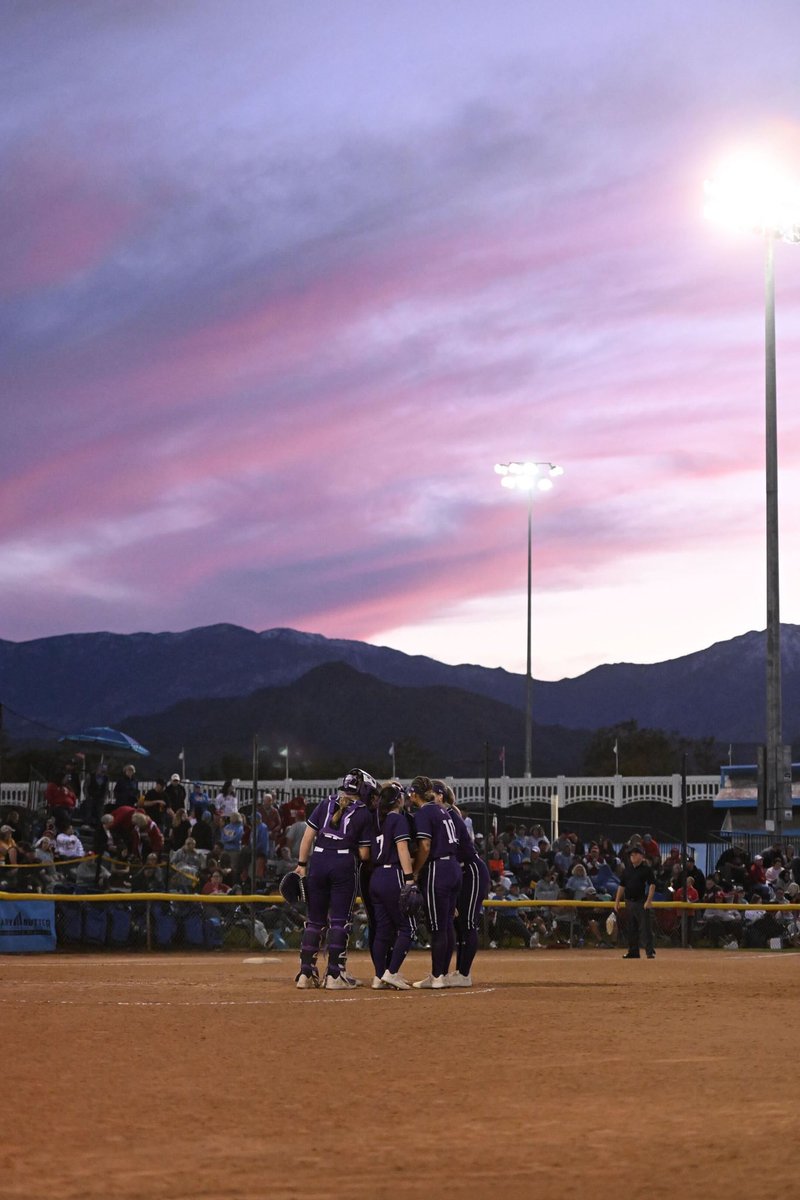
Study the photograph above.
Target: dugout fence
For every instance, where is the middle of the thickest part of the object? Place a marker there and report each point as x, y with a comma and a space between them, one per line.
166, 921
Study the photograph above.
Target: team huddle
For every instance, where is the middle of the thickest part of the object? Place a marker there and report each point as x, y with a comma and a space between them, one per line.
407, 851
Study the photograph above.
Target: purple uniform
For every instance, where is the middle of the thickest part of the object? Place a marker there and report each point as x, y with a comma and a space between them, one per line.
475, 883
439, 881
393, 931
332, 878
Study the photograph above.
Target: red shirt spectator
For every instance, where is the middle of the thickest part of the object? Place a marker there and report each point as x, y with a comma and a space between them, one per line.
58, 796
135, 828
215, 886
756, 875
291, 811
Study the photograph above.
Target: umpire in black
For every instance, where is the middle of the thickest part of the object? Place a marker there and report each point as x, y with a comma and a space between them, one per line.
637, 888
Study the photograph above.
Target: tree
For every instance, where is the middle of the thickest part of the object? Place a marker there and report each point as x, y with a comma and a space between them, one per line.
649, 752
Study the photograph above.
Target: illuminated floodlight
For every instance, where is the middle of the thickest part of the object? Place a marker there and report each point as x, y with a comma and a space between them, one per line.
528, 476
750, 192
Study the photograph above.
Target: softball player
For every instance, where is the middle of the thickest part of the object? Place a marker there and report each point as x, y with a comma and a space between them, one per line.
339, 834
475, 883
391, 869
439, 876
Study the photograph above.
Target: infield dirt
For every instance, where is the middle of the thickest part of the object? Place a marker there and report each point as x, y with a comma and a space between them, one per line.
558, 1075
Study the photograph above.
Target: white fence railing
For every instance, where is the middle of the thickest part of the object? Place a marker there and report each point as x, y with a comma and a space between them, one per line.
615, 791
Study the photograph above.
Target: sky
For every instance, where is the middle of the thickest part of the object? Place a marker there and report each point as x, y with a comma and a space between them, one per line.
281, 282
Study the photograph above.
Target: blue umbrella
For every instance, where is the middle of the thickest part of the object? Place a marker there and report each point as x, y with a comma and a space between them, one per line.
106, 738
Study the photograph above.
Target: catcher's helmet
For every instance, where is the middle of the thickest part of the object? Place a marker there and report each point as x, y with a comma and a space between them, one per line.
359, 783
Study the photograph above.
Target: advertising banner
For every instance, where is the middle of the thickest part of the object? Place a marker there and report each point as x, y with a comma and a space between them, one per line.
27, 926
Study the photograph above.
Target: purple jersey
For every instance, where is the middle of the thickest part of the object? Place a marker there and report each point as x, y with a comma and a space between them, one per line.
431, 821
354, 828
384, 840
465, 851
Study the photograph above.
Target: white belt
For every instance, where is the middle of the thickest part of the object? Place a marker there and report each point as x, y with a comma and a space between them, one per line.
321, 850
389, 866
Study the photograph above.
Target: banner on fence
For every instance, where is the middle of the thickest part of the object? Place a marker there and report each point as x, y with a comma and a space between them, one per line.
27, 927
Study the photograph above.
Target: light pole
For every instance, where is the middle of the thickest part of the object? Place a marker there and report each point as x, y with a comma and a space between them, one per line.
749, 194
528, 477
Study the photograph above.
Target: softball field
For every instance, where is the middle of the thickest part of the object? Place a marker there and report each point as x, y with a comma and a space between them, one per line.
559, 1075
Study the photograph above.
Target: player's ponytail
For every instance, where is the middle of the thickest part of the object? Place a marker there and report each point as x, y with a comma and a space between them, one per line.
344, 802
423, 787
390, 795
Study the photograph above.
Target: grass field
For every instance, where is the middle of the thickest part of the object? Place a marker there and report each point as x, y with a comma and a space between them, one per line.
572, 1074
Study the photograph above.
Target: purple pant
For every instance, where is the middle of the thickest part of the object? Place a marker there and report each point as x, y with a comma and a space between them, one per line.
440, 883
331, 891
475, 884
393, 932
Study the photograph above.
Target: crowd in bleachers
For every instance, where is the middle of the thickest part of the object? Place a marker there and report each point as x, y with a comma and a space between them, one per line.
526, 865
95, 834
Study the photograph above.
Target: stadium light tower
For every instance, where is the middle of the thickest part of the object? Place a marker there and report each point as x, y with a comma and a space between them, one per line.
750, 193
528, 477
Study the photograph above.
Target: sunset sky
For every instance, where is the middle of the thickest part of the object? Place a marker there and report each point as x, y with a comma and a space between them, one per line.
281, 282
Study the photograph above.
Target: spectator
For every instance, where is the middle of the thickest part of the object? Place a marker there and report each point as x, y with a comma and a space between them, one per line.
579, 883
103, 845
150, 877
606, 879
538, 833
199, 801
8, 846
272, 819
69, 845
232, 838
215, 885
294, 836
188, 859
293, 809
690, 893
73, 777
564, 859
506, 921
96, 793
43, 851
227, 801
651, 850
61, 801
203, 831
126, 792
154, 803
133, 829
694, 870
179, 829
775, 873
175, 793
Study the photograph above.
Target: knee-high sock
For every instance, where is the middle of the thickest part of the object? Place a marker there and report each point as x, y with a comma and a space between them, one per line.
467, 950
402, 945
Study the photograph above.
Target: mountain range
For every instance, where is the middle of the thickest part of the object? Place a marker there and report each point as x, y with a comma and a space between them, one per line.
68, 682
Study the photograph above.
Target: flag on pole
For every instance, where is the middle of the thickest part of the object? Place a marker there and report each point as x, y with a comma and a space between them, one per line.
182, 755
391, 752
284, 753
503, 759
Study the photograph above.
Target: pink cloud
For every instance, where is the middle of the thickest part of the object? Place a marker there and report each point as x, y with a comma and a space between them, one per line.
58, 219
